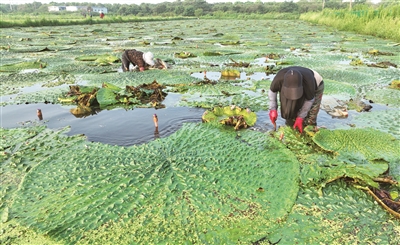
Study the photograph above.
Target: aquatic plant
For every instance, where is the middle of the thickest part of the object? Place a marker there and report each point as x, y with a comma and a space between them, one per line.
230, 73
100, 60
23, 66
371, 143
182, 190
341, 214
384, 121
395, 84
109, 95
206, 183
231, 116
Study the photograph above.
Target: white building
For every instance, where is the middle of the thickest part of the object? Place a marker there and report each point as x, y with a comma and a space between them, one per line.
76, 8
56, 8
99, 9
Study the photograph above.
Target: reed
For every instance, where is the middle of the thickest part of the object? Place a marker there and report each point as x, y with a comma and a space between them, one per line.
23, 20
383, 22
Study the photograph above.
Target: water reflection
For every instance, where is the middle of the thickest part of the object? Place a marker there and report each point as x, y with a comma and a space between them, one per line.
116, 127
215, 76
84, 111
39, 114
131, 127
156, 133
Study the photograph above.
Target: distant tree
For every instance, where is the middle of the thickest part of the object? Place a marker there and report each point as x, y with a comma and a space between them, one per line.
311, 6
198, 12
160, 8
189, 11
335, 4
146, 9
179, 10
5, 8
43, 9
123, 10
288, 7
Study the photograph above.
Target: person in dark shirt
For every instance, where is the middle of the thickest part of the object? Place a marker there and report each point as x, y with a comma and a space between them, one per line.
300, 93
137, 58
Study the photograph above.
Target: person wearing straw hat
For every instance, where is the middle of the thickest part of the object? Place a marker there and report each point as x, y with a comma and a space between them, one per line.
300, 93
137, 58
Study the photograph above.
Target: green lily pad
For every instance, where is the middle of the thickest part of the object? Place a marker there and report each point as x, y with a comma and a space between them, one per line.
101, 60
230, 73
185, 188
371, 143
210, 53
23, 66
220, 113
184, 55
106, 97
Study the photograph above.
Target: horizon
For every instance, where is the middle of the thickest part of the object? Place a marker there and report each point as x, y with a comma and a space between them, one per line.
129, 2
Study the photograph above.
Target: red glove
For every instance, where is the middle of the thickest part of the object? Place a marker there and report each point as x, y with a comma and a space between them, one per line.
298, 124
273, 115
141, 68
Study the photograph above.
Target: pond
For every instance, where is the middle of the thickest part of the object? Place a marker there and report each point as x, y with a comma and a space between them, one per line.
126, 127
135, 126
189, 181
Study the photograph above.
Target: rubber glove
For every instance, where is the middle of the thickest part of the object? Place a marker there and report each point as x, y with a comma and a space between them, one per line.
273, 115
141, 68
298, 124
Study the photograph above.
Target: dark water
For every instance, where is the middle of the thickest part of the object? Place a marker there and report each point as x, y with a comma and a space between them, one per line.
125, 127
131, 127
115, 127
215, 76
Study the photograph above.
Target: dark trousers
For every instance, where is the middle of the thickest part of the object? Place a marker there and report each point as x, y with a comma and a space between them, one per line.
125, 62
311, 118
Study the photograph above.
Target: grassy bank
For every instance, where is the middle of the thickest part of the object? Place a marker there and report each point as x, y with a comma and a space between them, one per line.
64, 19
383, 22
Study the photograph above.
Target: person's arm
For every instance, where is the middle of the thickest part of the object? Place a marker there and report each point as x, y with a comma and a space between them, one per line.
305, 108
273, 105
140, 62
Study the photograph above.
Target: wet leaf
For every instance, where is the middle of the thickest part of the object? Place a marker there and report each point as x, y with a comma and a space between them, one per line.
180, 189
371, 143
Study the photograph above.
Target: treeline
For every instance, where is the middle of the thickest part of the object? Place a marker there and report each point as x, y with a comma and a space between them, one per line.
381, 20
194, 8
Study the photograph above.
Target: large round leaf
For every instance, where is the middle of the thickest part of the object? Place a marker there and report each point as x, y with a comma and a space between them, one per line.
202, 184
371, 143
106, 97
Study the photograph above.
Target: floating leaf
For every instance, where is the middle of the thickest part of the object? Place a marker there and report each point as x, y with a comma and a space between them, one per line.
230, 73
184, 188
23, 66
395, 84
223, 113
371, 143
184, 55
106, 97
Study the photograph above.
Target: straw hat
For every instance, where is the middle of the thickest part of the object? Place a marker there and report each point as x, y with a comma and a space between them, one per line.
148, 58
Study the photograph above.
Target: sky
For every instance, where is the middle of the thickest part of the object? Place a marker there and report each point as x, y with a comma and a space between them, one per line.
134, 1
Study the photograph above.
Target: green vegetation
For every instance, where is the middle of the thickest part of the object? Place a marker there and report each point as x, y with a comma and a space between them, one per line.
206, 183
177, 187
377, 20
381, 22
